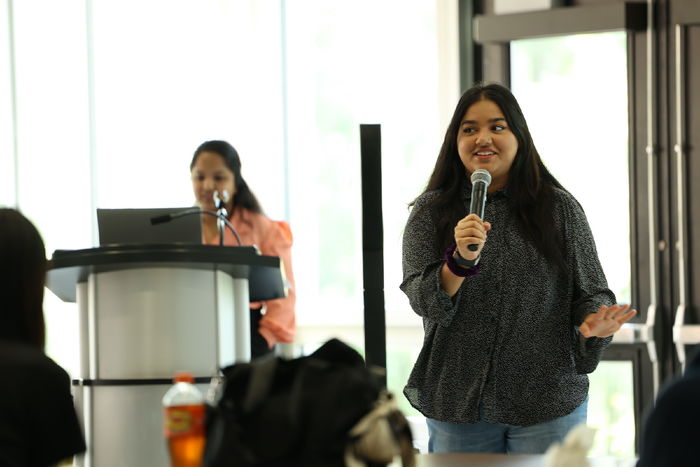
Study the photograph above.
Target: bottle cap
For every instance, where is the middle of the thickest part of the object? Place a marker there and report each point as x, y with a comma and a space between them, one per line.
183, 376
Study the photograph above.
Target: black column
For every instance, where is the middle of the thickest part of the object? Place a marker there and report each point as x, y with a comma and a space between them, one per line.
373, 246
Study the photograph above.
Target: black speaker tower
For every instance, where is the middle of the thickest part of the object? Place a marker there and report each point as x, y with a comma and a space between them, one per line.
373, 246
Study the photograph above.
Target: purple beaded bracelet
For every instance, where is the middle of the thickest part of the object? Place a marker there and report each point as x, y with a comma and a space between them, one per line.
455, 268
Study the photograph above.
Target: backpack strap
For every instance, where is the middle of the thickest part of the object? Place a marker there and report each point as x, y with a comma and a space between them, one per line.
261, 378
381, 435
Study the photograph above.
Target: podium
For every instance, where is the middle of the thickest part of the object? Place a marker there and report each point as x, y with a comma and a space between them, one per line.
146, 312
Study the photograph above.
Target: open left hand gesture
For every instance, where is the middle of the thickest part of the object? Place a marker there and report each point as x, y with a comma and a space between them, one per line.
607, 321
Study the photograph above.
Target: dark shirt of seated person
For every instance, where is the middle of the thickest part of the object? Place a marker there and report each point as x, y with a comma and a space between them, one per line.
672, 430
38, 423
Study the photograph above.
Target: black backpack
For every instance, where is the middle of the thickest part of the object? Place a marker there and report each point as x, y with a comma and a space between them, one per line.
326, 409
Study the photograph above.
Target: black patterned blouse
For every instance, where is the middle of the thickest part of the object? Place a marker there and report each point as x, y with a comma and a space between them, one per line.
508, 340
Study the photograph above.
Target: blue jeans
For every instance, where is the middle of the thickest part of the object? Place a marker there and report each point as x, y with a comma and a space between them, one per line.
497, 438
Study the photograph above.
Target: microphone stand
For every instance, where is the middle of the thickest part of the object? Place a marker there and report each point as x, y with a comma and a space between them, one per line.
221, 215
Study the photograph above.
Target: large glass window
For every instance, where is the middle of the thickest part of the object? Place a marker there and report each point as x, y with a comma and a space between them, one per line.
573, 91
53, 184
348, 65
7, 162
611, 409
121, 93
184, 73
112, 99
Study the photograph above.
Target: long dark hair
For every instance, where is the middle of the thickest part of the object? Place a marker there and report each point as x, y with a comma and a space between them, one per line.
22, 278
530, 184
244, 197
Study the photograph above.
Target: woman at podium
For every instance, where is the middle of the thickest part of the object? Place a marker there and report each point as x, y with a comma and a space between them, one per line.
216, 178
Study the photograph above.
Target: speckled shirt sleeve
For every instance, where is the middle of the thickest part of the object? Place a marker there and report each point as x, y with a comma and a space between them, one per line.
508, 340
421, 266
590, 289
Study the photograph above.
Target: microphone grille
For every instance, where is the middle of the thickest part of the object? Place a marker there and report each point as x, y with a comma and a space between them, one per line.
481, 175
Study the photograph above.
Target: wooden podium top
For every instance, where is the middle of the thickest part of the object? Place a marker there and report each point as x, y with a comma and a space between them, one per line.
264, 273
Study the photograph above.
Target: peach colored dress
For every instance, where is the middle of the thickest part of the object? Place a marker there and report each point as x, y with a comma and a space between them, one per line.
273, 238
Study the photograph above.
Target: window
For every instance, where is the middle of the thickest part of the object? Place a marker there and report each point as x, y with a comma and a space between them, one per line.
573, 92
123, 92
348, 65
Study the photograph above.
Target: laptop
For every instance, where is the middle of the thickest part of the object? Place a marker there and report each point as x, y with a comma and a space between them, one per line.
134, 226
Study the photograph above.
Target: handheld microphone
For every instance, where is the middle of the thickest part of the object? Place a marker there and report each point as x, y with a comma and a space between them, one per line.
481, 179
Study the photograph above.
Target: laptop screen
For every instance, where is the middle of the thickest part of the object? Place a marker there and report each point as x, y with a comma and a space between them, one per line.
133, 226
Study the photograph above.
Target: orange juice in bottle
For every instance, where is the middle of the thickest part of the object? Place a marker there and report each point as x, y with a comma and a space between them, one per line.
184, 409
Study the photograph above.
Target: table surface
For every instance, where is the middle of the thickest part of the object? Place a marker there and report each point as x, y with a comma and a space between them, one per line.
504, 460
476, 460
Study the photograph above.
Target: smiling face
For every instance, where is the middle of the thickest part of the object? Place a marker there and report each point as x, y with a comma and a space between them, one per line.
210, 173
485, 141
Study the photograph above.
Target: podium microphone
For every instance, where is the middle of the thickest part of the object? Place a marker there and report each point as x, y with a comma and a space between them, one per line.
168, 217
481, 179
220, 200
222, 219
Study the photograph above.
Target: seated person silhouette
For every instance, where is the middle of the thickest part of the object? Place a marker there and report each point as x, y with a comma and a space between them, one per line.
672, 430
38, 423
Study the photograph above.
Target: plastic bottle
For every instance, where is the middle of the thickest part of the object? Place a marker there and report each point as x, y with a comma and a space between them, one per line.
184, 409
